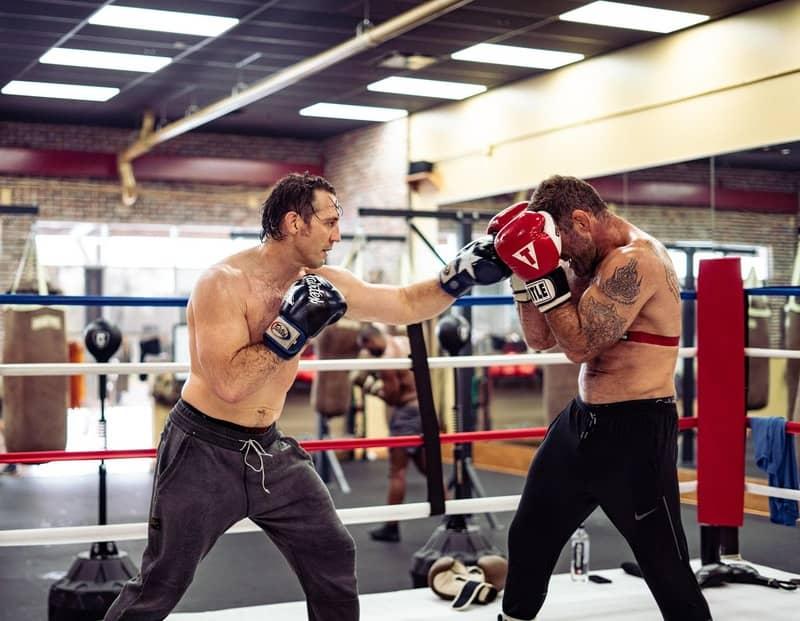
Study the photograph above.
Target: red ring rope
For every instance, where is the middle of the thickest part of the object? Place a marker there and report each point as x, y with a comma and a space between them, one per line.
37, 457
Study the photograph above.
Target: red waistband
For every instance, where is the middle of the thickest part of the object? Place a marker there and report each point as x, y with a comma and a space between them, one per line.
651, 339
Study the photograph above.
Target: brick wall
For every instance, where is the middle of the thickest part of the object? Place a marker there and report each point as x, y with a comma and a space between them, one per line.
99, 200
777, 231
197, 144
368, 167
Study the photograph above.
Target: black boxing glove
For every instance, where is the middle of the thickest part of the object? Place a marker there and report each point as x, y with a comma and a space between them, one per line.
476, 263
310, 304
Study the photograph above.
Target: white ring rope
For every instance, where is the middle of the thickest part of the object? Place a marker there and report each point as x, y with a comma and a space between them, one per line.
761, 352
354, 364
358, 515
775, 492
348, 364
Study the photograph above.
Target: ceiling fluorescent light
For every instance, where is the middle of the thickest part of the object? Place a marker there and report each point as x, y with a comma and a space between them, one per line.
516, 56
354, 113
631, 16
162, 21
104, 60
59, 91
426, 88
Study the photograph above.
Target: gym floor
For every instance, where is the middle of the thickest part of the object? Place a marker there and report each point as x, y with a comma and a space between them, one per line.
245, 569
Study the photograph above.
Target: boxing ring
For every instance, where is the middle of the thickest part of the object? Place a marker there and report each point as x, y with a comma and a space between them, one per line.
721, 425
626, 598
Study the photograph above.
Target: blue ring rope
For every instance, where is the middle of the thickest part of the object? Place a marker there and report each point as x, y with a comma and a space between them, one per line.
777, 290
89, 300
473, 300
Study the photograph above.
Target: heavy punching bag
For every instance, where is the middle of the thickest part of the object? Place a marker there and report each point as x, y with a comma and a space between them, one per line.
758, 318
35, 408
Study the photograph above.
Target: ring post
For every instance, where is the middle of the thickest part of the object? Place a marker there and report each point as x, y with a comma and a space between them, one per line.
721, 403
456, 536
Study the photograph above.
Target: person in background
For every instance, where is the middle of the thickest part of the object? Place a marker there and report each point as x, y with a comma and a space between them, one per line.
396, 387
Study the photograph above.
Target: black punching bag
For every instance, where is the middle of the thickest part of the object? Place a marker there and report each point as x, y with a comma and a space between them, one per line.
453, 333
102, 339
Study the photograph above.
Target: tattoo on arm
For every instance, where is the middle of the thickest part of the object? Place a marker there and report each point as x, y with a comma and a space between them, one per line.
672, 282
624, 285
601, 323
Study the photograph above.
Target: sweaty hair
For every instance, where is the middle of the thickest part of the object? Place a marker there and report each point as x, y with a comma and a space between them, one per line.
560, 196
294, 192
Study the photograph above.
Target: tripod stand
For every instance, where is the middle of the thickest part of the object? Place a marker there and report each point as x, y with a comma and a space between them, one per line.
465, 481
457, 536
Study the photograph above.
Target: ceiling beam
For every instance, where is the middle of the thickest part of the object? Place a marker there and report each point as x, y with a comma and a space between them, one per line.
290, 75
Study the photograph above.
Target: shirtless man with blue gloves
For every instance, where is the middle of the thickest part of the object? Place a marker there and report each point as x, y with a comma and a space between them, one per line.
221, 456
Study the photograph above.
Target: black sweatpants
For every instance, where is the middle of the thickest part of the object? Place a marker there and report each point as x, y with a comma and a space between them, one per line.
210, 474
621, 457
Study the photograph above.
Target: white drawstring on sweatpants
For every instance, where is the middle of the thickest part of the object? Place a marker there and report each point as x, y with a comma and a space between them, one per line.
261, 452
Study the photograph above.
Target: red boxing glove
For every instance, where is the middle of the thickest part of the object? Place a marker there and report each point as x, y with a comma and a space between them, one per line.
531, 246
500, 219
497, 222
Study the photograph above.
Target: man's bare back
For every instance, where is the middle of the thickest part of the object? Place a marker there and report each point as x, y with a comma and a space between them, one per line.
398, 384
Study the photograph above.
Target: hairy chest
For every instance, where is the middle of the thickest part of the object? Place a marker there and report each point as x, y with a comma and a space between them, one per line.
262, 303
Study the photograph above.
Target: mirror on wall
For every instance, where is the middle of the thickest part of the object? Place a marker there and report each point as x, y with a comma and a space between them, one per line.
742, 204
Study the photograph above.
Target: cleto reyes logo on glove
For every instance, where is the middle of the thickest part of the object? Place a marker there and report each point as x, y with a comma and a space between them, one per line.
279, 330
284, 332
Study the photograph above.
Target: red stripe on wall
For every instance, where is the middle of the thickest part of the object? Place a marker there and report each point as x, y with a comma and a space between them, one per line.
82, 164
688, 194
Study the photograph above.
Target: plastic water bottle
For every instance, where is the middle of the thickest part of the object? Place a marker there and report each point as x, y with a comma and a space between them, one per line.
579, 559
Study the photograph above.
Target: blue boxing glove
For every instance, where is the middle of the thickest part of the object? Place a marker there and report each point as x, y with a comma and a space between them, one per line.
476, 263
310, 304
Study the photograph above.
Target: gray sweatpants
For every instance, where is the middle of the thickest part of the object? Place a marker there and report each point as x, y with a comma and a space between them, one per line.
210, 474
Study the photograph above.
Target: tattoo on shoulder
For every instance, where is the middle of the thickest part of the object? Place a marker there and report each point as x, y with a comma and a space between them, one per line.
602, 324
624, 285
672, 282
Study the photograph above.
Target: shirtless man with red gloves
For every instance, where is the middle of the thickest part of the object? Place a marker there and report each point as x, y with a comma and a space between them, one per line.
615, 444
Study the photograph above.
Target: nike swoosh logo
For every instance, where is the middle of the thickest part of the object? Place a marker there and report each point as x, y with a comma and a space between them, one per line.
641, 516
